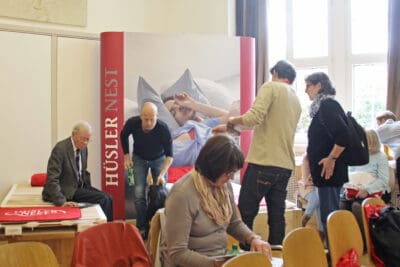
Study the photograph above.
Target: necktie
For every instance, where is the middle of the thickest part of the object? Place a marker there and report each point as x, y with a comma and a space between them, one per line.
77, 161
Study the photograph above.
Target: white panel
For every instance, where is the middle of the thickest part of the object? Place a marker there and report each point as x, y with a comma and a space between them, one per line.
179, 16
25, 89
78, 93
193, 16
72, 12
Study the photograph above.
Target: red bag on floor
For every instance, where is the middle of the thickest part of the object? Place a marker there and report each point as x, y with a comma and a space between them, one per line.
349, 259
372, 211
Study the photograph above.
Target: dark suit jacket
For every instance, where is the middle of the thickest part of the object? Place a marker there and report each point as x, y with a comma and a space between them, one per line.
62, 173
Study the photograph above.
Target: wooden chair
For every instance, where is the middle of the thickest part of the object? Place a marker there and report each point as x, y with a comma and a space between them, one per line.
302, 247
155, 237
343, 235
33, 254
231, 239
371, 201
388, 153
253, 259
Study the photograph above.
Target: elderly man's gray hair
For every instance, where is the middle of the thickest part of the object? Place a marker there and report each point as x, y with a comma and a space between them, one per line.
82, 125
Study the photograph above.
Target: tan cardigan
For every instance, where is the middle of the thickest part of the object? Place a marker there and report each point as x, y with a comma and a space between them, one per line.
274, 116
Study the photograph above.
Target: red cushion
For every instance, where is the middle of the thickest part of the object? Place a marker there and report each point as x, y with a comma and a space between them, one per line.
352, 192
174, 173
38, 179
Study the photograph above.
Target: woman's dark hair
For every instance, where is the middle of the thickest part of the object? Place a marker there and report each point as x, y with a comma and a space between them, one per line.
323, 79
285, 70
220, 155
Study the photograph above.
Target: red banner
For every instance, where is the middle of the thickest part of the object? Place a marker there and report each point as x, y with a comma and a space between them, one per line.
247, 89
112, 118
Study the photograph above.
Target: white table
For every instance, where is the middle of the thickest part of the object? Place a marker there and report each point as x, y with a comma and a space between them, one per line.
59, 235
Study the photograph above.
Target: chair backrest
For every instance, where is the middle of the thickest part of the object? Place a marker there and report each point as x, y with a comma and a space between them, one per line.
154, 238
302, 247
343, 235
231, 240
388, 153
33, 254
253, 259
371, 201
110, 244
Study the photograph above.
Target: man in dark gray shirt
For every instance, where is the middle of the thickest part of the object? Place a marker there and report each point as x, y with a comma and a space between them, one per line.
152, 149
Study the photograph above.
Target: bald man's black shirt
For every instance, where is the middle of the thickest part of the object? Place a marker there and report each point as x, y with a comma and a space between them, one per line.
147, 145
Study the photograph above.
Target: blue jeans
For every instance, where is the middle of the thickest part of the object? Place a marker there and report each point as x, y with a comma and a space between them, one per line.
329, 198
269, 182
142, 167
313, 205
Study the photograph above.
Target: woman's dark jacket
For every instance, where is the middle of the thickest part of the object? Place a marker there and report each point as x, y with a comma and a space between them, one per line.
328, 127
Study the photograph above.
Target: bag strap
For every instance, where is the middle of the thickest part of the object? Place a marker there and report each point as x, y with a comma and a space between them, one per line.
323, 124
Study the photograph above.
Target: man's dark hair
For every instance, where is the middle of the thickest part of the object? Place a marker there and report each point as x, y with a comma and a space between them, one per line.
220, 155
285, 70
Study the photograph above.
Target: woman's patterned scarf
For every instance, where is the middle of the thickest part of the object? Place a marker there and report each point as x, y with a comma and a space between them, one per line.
213, 199
317, 103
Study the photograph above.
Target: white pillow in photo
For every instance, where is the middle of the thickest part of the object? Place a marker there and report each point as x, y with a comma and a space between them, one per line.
185, 84
217, 94
145, 93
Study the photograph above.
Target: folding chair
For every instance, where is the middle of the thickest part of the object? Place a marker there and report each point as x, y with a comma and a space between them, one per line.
302, 247
22, 254
366, 204
343, 235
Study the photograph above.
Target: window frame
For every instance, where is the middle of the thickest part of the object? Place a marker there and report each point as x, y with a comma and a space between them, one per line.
340, 59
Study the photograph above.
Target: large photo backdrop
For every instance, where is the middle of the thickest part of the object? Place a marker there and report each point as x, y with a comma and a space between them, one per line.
217, 71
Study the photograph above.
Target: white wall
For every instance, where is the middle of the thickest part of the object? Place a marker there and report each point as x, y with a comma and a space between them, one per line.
192, 16
78, 93
25, 108
50, 74
179, 16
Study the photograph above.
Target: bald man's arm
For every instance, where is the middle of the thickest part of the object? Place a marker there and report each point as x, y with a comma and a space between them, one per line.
166, 164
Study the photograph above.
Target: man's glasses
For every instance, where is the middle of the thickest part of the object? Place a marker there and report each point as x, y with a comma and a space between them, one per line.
84, 139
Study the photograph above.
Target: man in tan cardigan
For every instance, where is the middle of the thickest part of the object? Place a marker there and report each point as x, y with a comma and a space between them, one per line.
274, 117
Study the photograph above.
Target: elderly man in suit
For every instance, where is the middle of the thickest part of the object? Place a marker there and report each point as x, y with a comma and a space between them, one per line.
68, 181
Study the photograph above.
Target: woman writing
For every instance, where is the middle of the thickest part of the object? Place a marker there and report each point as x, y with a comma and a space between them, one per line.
200, 209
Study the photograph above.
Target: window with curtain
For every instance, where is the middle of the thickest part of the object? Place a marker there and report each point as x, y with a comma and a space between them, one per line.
347, 39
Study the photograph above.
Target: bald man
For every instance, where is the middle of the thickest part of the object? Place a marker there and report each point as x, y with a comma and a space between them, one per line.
152, 149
